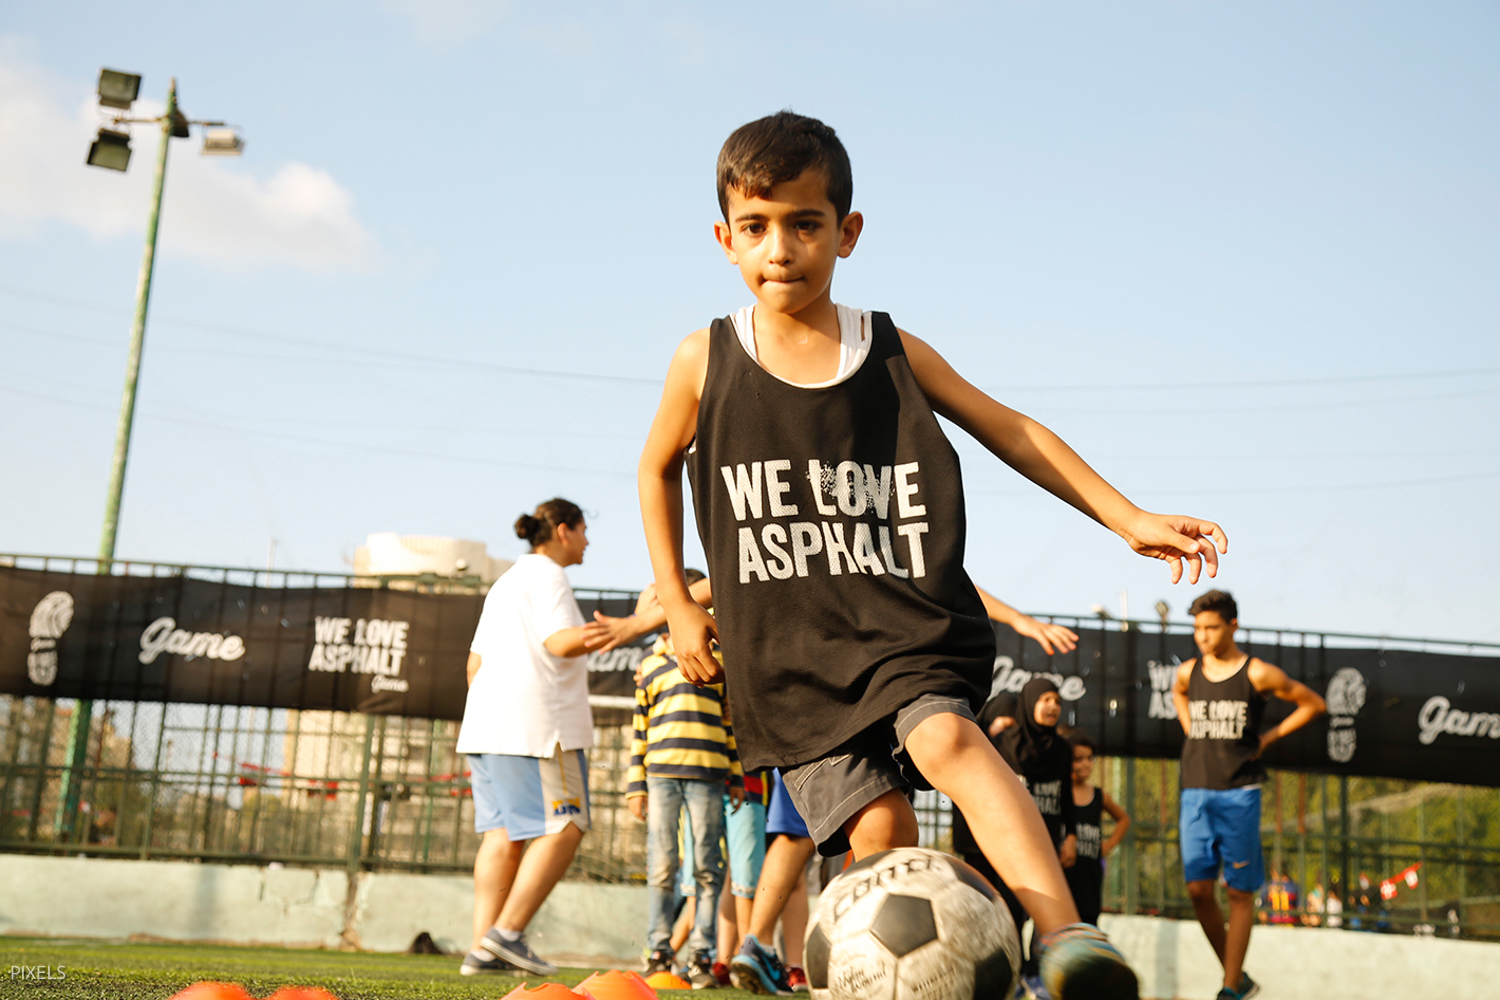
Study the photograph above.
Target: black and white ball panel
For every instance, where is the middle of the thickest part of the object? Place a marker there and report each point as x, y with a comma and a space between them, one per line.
911, 924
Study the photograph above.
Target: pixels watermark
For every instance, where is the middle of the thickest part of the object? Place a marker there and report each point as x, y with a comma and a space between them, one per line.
39, 973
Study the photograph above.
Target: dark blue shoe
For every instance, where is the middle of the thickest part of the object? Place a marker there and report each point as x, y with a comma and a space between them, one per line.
1079, 963
480, 964
757, 970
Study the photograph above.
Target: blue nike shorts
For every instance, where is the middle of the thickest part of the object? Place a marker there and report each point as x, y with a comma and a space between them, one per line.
1220, 829
529, 797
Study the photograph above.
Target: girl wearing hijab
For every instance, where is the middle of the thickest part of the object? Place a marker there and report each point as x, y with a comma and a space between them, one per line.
1043, 760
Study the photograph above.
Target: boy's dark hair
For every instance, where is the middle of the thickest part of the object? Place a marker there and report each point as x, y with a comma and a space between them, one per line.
694, 575
1081, 739
1221, 601
779, 148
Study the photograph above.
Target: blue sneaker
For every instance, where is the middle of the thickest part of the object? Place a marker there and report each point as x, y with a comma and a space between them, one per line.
757, 970
1079, 963
477, 963
1244, 990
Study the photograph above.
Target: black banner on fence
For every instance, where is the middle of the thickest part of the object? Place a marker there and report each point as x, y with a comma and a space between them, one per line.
1392, 713
180, 639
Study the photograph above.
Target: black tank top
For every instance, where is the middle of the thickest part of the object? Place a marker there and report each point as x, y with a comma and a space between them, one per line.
1089, 823
1223, 741
833, 522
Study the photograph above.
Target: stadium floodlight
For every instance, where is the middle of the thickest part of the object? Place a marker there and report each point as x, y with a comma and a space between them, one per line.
118, 90
222, 142
110, 151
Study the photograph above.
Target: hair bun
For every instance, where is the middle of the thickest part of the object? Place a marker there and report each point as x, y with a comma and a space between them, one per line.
526, 526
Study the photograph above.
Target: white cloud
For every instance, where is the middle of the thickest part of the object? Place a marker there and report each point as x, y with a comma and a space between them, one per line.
442, 24
214, 208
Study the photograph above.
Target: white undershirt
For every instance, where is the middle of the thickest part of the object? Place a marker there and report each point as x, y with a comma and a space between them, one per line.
856, 332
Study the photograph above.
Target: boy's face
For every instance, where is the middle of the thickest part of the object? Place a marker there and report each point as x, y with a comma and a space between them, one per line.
1083, 764
1212, 634
786, 243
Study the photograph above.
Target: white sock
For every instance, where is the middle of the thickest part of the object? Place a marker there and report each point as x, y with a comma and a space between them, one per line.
508, 935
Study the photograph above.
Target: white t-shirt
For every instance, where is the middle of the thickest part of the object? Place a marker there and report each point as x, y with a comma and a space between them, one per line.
856, 332
524, 701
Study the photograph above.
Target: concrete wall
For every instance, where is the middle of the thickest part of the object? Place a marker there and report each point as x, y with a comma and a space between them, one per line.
600, 924
1174, 960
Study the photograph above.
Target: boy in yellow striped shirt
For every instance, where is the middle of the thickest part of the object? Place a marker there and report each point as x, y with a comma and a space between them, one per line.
681, 756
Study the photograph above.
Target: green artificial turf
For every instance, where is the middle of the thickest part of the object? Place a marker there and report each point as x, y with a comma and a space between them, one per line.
131, 971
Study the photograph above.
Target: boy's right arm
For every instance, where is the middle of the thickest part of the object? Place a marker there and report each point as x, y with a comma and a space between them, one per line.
660, 482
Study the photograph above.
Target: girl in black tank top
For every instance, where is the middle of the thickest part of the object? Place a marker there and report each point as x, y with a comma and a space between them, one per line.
1086, 876
833, 521
1222, 749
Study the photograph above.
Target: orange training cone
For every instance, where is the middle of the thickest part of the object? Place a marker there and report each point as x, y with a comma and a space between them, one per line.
667, 981
616, 985
213, 991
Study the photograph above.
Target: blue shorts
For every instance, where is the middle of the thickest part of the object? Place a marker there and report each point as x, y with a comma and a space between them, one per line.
1221, 829
782, 816
529, 797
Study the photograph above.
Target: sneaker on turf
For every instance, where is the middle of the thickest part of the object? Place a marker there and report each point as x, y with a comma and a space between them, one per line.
1079, 963
659, 960
1035, 988
479, 963
1246, 988
797, 979
721, 973
757, 970
700, 972
517, 953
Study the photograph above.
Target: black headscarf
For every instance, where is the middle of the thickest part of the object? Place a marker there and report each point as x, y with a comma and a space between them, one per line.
1032, 749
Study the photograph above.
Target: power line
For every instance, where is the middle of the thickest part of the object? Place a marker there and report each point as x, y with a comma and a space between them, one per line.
343, 445
407, 357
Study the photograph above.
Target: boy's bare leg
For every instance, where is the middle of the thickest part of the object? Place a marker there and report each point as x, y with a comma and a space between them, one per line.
729, 936
887, 822
794, 922
684, 925
495, 865
1210, 917
541, 867
1237, 940
779, 874
743, 908
958, 759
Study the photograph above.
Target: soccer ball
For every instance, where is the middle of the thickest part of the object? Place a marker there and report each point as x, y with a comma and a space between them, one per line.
912, 924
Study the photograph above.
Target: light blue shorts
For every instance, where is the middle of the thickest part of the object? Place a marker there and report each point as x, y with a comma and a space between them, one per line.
529, 797
1221, 829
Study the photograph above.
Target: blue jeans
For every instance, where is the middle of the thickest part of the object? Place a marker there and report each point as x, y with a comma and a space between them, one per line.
665, 800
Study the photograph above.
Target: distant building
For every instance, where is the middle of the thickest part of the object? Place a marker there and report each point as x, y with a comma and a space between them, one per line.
386, 554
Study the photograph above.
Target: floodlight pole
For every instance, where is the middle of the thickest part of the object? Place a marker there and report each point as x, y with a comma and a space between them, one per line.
81, 722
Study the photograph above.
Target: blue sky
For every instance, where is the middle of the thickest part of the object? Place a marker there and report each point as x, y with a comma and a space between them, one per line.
1242, 257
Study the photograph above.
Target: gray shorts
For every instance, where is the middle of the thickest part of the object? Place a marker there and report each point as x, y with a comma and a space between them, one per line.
830, 790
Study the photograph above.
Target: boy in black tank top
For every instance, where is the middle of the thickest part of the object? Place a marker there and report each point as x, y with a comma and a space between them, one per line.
1220, 698
830, 507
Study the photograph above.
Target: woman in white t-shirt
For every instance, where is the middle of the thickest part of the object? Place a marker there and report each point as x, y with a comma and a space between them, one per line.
526, 726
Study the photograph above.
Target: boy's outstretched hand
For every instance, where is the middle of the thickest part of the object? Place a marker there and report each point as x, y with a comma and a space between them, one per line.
693, 633
1176, 539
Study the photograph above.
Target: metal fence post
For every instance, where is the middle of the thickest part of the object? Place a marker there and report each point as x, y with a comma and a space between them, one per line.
357, 834
1132, 877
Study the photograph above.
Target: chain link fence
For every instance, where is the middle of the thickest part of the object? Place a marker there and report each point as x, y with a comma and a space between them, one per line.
364, 792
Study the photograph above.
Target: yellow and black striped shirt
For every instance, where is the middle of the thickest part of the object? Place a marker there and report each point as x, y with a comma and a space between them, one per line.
680, 728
